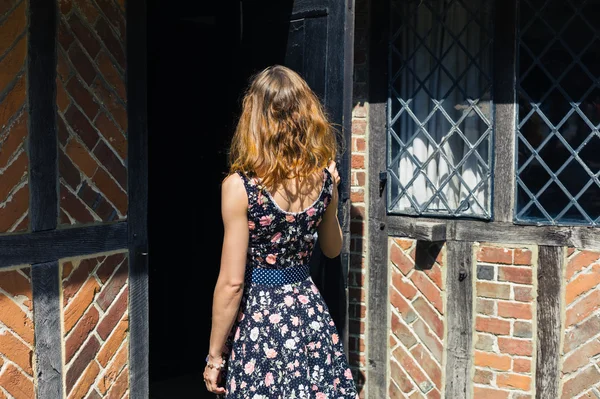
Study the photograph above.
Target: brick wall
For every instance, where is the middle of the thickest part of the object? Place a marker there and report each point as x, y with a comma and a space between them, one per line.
14, 166
581, 342
95, 326
358, 248
417, 324
504, 309
92, 117
16, 334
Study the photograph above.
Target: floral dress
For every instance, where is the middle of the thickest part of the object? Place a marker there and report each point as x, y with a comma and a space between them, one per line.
284, 344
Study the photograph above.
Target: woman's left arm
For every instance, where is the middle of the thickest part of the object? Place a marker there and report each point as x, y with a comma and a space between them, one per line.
230, 283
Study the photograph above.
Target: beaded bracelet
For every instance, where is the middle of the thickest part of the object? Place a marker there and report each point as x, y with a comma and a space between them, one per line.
215, 366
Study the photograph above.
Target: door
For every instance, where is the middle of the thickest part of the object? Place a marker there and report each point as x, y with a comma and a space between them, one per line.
314, 38
200, 58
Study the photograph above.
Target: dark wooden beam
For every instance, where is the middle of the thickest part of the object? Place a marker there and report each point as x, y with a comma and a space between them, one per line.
137, 161
48, 339
473, 230
459, 319
41, 93
16, 249
423, 230
377, 275
504, 98
547, 376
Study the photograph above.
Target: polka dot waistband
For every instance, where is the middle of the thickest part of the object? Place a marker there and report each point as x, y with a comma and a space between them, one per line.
289, 275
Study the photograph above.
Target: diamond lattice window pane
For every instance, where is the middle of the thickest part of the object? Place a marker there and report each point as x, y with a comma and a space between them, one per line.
439, 110
558, 113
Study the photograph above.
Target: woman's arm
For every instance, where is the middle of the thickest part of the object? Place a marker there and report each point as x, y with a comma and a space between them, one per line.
230, 283
330, 231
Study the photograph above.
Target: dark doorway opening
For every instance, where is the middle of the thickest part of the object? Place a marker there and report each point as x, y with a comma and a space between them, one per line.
200, 57
195, 81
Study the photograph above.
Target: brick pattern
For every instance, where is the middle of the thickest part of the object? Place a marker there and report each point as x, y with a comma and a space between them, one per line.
417, 320
358, 251
581, 344
504, 313
16, 334
14, 165
95, 325
92, 117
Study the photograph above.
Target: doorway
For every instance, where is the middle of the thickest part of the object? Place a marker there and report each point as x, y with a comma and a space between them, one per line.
194, 86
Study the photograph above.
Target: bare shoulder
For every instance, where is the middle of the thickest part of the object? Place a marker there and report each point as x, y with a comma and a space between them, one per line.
233, 192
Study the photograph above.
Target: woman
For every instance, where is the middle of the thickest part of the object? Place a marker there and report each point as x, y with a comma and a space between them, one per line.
272, 335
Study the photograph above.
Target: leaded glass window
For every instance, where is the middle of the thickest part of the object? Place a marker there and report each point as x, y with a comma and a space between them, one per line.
440, 108
558, 145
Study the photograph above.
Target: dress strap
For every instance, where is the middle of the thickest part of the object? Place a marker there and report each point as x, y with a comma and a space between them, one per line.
250, 186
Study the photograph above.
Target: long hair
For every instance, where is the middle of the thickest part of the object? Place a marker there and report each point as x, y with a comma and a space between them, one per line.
283, 131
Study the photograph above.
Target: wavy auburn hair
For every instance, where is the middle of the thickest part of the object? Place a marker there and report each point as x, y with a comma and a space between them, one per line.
283, 131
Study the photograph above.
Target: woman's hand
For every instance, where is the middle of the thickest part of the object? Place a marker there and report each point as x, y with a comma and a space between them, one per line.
336, 180
212, 377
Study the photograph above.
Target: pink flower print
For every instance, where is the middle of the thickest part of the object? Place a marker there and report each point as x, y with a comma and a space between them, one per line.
296, 290
335, 338
237, 334
328, 361
296, 363
265, 220
331, 323
251, 225
276, 237
295, 321
275, 318
249, 367
320, 307
265, 312
261, 199
311, 211
290, 218
232, 355
271, 259
288, 300
271, 353
318, 345
311, 346
269, 379
315, 388
232, 386
257, 317
311, 311
284, 329
303, 299
336, 382
314, 289
321, 395
348, 374
290, 366
243, 384
297, 374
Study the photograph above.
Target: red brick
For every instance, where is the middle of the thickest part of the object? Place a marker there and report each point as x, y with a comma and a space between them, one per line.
583, 308
16, 351
429, 339
402, 306
409, 365
359, 127
523, 256
495, 255
485, 306
113, 16
114, 342
68, 171
523, 294
13, 175
13, 317
485, 342
12, 26
84, 35
112, 43
400, 381
428, 289
74, 207
82, 63
361, 178
515, 310
492, 325
82, 127
582, 283
81, 362
522, 382
118, 389
82, 97
14, 209
77, 278
581, 356
357, 195
401, 331
584, 332
15, 139
492, 360
403, 285
522, 329
16, 383
360, 144
85, 382
12, 62
111, 190
404, 243
582, 381
493, 290
580, 261
359, 111
15, 283
79, 304
482, 376
489, 393
401, 261
521, 275
431, 368
430, 316
112, 134
358, 161
81, 332
89, 11
521, 365
518, 347
112, 372
113, 315
435, 274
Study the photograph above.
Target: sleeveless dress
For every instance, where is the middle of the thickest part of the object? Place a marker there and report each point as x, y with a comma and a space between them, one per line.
284, 344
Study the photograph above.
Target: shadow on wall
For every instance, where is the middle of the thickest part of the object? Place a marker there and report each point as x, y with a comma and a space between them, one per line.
356, 306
